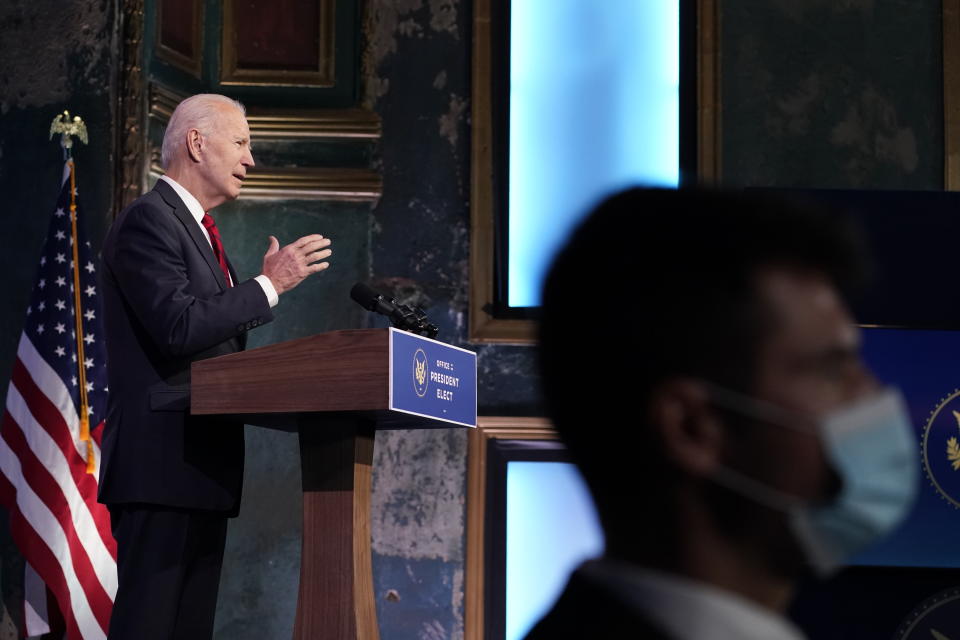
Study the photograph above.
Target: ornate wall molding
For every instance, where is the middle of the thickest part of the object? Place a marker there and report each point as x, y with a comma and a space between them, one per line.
332, 124
163, 101
346, 185
305, 183
130, 155
291, 124
354, 185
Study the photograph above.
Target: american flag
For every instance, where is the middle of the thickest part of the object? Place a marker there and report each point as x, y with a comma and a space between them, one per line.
58, 525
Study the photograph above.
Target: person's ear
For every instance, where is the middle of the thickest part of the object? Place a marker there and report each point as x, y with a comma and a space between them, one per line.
687, 424
194, 144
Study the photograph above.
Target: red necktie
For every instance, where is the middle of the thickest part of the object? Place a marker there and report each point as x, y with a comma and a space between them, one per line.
217, 244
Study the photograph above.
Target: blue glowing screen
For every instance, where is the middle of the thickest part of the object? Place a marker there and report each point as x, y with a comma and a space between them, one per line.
923, 364
594, 107
551, 528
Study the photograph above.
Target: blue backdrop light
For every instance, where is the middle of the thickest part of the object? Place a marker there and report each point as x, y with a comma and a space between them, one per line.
594, 107
552, 526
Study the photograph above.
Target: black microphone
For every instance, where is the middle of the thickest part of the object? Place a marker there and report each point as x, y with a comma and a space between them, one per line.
400, 315
371, 300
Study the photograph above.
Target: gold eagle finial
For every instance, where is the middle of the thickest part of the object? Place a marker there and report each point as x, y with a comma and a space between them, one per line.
67, 128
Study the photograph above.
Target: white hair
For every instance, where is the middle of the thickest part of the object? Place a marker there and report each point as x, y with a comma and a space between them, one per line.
196, 112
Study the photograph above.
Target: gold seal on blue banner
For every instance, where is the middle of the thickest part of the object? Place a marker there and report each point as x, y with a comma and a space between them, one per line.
936, 618
421, 372
941, 448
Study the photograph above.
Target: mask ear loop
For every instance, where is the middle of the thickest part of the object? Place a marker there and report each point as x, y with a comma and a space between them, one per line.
758, 409
755, 490
765, 412
793, 507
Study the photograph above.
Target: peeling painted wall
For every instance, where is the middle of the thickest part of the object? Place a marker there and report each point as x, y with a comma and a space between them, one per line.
52, 57
417, 70
417, 75
832, 94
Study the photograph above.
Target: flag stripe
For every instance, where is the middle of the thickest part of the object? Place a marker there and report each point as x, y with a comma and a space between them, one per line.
35, 612
60, 496
51, 422
44, 487
38, 528
47, 441
53, 387
30, 544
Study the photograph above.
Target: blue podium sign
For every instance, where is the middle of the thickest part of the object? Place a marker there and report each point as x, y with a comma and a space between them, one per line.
432, 379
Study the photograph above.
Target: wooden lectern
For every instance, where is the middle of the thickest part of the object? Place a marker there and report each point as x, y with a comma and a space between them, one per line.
335, 389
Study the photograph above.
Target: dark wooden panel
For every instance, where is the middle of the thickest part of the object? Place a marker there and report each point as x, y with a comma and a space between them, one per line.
177, 28
278, 42
178, 34
336, 371
278, 34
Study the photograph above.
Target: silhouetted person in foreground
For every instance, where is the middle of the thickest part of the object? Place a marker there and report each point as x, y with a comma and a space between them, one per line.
700, 362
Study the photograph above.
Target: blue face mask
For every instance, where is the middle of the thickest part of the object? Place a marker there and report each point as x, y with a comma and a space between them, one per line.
872, 449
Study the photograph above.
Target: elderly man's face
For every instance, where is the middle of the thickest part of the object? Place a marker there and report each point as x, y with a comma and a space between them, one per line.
226, 156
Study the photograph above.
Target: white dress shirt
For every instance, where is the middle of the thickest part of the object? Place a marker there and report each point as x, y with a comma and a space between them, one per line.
689, 609
193, 205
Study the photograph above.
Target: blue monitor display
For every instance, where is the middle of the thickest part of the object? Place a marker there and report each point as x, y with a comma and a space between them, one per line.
923, 365
552, 527
593, 107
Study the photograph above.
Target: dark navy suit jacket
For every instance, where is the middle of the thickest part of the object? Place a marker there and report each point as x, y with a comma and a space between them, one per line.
167, 304
590, 610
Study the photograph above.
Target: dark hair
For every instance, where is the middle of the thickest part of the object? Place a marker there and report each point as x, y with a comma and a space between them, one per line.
658, 283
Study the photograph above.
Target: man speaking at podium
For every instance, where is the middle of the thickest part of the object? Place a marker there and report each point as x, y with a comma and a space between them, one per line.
730, 433
171, 297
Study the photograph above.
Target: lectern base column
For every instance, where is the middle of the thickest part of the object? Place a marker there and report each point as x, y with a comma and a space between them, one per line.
336, 578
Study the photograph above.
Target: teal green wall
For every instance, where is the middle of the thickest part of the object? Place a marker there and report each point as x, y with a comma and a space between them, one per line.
258, 593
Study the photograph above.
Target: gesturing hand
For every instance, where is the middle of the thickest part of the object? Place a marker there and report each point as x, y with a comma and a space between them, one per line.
289, 266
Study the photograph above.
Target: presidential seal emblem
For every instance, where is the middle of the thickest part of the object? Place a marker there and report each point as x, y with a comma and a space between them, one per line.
421, 377
941, 448
936, 618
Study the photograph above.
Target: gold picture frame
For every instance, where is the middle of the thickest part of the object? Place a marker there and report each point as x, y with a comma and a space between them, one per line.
192, 65
488, 428
484, 327
951, 95
233, 74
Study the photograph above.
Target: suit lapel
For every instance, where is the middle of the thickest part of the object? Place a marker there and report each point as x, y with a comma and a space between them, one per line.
193, 229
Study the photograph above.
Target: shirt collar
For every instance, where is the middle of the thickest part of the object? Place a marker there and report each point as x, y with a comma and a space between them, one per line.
193, 205
691, 609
